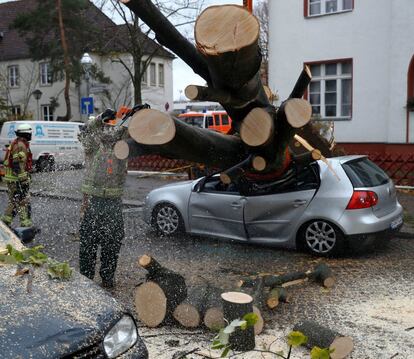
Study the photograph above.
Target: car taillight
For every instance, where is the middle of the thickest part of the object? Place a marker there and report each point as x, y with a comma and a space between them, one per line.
362, 199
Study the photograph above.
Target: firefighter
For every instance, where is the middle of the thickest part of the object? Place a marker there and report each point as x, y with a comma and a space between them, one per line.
102, 222
18, 165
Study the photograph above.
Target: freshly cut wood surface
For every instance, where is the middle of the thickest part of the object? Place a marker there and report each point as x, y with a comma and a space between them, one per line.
298, 112
258, 327
150, 304
342, 347
259, 163
121, 150
225, 28
151, 127
257, 127
214, 318
187, 315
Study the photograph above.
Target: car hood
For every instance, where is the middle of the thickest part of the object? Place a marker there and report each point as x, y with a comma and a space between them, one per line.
53, 318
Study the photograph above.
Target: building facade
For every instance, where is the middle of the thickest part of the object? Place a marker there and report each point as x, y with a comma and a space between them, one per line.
361, 54
27, 89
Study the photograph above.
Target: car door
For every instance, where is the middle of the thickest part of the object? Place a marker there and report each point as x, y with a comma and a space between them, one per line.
275, 216
216, 210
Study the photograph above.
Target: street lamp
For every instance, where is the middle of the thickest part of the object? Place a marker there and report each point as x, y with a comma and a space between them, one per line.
37, 95
86, 62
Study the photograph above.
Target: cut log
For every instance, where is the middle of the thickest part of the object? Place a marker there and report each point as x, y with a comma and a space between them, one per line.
228, 35
277, 295
322, 274
203, 93
298, 112
189, 313
302, 83
180, 140
235, 172
258, 327
235, 306
323, 337
150, 304
213, 316
257, 128
172, 284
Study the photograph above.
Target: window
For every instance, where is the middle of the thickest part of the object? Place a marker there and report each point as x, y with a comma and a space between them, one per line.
16, 112
224, 119
161, 75
323, 7
330, 91
217, 120
153, 79
364, 173
45, 74
47, 114
14, 76
144, 78
210, 121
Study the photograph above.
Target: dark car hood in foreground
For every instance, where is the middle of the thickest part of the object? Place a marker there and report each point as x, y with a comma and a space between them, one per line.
55, 319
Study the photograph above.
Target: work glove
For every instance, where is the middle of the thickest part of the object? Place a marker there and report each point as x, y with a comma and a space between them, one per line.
107, 115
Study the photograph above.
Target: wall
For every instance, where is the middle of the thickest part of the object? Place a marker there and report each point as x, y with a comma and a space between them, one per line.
377, 34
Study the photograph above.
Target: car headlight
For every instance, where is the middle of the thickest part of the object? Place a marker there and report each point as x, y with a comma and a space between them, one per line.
121, 337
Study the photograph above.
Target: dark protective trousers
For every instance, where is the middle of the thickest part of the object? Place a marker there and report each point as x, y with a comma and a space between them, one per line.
103, 225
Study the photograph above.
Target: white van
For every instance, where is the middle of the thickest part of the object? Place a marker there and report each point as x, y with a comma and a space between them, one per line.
54, 143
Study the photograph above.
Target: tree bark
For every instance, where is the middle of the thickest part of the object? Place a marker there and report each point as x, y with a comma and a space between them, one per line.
182, 141
168, 36
235, 306
171, 284
323, 337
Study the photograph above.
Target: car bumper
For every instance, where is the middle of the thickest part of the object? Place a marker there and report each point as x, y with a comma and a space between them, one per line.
364, 221
366, 240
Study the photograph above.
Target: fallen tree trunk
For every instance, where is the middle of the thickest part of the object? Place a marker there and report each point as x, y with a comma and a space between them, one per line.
180, 140
323, 337
321, 274
277, 295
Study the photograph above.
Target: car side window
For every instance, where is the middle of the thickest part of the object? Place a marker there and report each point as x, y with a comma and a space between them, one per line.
214, 185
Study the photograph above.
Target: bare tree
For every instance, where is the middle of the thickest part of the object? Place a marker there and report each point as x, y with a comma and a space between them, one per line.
134, 38
261, 10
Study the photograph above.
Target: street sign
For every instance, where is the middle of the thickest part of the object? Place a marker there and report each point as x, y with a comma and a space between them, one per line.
87, 105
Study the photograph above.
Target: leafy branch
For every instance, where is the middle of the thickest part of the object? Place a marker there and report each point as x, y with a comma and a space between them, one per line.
33, 256
294, 339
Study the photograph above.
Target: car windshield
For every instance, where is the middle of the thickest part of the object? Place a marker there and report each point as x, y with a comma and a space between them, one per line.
193, 120
364, 173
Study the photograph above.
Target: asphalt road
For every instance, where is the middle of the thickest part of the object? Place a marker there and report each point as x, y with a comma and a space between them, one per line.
373, 299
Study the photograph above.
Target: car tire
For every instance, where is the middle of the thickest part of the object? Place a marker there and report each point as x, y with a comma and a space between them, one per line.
46, 164
167, 220
321, 238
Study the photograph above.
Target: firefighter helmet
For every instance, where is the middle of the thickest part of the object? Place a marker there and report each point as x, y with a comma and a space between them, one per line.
24, 128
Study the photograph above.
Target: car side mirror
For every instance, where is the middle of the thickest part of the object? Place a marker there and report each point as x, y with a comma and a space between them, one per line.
26, 234
200, 185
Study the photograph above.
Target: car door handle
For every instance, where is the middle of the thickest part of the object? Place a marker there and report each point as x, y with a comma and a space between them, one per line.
299, 202
236, 205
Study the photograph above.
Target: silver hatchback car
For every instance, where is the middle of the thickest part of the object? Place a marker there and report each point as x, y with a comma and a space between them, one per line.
315, 210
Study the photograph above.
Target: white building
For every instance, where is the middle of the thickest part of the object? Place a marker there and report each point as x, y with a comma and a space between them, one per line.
361, 54
19, 76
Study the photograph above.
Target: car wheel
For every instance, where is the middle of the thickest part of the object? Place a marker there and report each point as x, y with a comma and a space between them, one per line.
166, 220
46, 164
322, 238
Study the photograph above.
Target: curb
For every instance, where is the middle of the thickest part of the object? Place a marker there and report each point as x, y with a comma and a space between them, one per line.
39, 193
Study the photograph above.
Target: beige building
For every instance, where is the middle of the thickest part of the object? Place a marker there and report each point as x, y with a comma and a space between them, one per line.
27, 88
